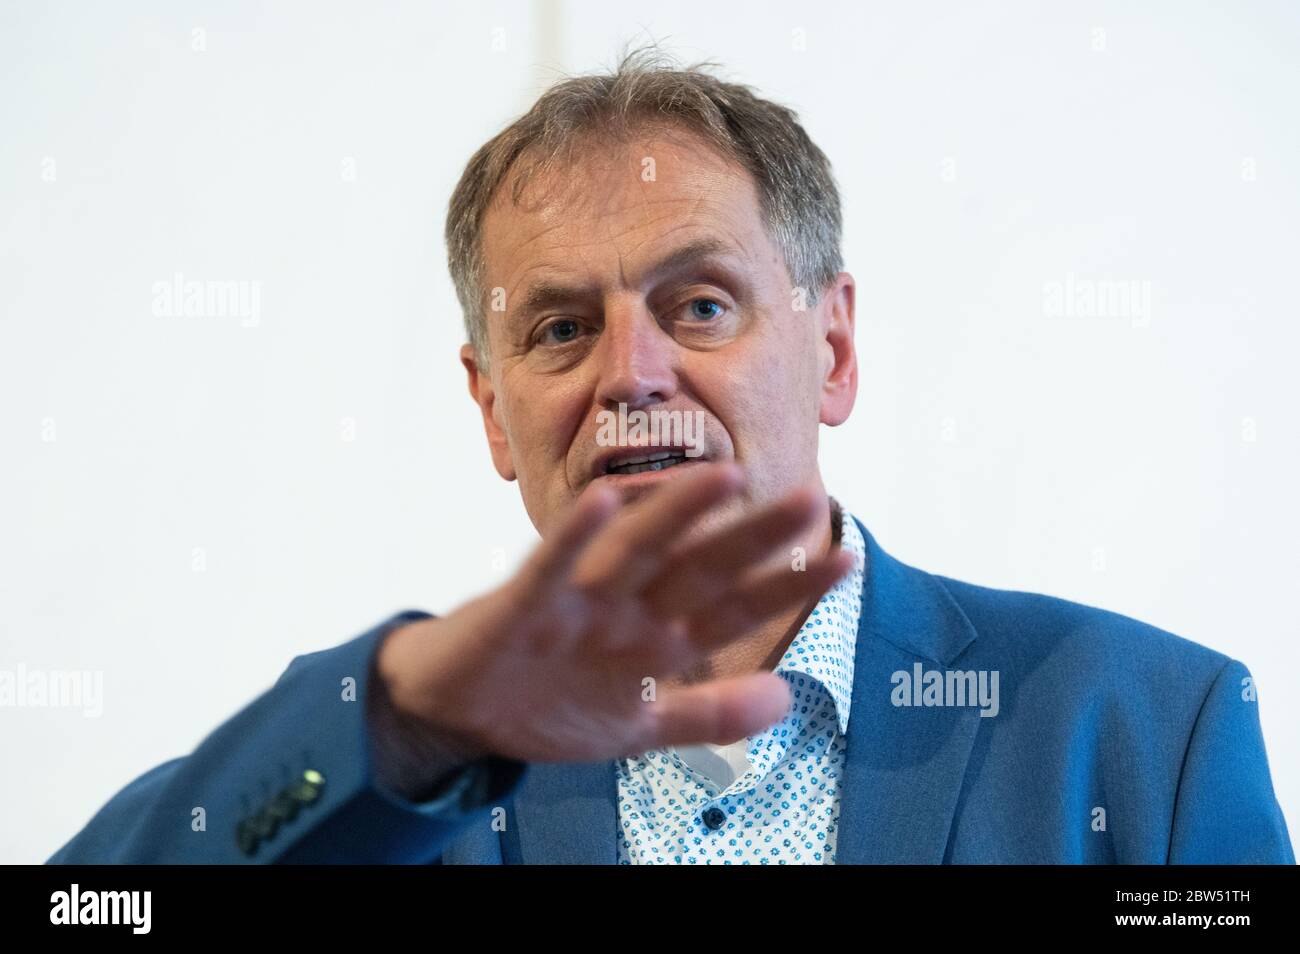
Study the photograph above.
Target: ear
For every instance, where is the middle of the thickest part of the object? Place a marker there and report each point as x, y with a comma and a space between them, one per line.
481, 390
840, 367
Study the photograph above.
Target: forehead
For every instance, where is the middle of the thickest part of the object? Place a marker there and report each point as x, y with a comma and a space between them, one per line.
620, 199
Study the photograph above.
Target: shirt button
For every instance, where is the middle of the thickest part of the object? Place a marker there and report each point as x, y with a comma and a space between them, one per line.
713, 818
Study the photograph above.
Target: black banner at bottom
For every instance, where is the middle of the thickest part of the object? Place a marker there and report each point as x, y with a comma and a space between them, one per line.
345, 902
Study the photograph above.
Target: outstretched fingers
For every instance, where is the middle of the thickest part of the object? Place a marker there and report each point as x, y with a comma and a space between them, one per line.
553, 559
701, 571
720, 711
755, 600
633, 549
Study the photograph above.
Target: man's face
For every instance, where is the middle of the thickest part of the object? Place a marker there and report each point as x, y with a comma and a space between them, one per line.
644, 276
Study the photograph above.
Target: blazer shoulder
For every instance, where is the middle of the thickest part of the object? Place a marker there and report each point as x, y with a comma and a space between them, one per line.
1082, 637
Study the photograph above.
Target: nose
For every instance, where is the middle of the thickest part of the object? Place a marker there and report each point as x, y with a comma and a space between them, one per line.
635, 357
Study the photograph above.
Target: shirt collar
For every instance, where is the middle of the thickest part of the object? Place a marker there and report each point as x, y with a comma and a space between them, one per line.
825, 645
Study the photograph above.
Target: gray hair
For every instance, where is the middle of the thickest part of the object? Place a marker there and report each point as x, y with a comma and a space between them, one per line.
797, 193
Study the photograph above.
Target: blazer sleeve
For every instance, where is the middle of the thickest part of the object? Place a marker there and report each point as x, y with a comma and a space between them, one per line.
289, 779
1225, 811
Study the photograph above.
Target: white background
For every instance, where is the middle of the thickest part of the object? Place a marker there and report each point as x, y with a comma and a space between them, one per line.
984, 150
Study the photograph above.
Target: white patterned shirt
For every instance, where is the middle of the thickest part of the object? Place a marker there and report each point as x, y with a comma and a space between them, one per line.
772, 798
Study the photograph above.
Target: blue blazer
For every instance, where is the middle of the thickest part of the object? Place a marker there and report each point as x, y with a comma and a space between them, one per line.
1114, 742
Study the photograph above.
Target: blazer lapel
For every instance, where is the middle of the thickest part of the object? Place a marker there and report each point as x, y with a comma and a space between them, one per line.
565, 814
904, 766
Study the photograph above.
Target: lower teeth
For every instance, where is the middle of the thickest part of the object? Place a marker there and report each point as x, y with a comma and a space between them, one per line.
654, 465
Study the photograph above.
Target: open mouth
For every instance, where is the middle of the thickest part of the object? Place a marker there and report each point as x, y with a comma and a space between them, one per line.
660, 460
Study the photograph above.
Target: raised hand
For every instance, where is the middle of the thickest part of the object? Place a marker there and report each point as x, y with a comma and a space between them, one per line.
556, 664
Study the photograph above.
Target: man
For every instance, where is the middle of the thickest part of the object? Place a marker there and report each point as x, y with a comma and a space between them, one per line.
706, 660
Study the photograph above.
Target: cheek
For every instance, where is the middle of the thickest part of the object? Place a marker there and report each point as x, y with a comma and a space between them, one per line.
786, 369
760, 395
786, 386
525, 414
544, 421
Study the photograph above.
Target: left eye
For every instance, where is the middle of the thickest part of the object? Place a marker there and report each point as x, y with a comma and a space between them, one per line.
705, 309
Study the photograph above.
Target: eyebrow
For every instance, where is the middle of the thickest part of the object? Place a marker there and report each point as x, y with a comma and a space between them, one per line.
546, 294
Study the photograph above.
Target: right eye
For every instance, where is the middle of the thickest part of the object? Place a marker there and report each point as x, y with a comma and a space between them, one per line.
559, 331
